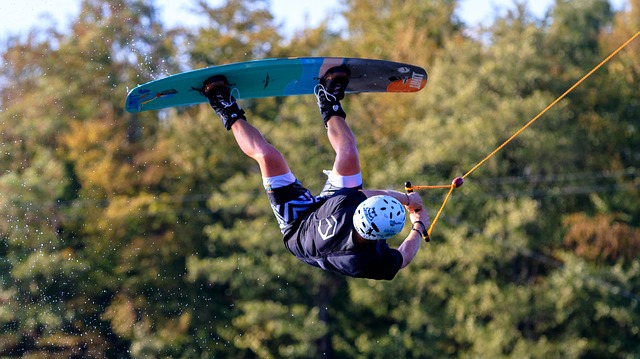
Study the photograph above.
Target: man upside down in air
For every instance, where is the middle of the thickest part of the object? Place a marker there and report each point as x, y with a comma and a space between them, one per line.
344, 229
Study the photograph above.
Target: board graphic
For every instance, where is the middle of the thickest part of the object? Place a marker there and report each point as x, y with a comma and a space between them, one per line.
276, 77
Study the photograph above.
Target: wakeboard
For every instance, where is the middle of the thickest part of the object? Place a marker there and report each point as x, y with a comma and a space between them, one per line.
276, 77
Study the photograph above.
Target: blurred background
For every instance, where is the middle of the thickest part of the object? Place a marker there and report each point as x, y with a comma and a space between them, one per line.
149, 235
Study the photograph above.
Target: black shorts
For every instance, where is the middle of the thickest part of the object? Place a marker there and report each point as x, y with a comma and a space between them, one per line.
291, 201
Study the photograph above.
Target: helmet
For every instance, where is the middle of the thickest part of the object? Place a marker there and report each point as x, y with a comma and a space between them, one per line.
379, 218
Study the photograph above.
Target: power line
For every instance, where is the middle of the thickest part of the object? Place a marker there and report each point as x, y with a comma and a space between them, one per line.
630, 177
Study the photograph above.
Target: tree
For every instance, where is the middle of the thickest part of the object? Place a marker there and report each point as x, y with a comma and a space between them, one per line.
65, 270
149, 235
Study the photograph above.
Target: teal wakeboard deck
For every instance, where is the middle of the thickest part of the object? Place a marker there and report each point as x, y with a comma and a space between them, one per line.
276, 77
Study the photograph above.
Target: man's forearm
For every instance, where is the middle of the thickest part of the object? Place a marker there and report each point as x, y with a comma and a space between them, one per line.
400, 196
409, 247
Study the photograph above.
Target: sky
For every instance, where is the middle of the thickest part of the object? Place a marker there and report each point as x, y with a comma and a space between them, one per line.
17, 16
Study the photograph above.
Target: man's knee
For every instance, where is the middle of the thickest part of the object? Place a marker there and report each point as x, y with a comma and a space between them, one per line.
267, 153
349, 153
271, 162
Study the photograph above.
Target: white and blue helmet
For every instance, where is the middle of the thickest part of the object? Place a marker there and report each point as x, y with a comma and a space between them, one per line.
379, 218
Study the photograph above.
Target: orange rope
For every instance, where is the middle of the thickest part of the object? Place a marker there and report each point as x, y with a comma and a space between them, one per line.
460, 180
419, 188
552, 104
435, 219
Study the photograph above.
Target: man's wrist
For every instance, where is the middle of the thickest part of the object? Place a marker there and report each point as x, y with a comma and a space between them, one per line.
419, 227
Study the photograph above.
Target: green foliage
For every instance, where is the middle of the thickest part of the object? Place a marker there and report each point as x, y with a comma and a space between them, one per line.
150, 236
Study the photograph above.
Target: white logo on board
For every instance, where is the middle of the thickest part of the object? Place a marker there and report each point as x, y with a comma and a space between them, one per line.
416, 81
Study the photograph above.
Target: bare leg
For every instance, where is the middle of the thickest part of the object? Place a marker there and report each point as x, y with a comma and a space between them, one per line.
343, 142
254, 145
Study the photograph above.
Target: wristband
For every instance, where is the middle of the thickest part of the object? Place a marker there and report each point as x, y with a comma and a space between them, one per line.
424, 228
424, 232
